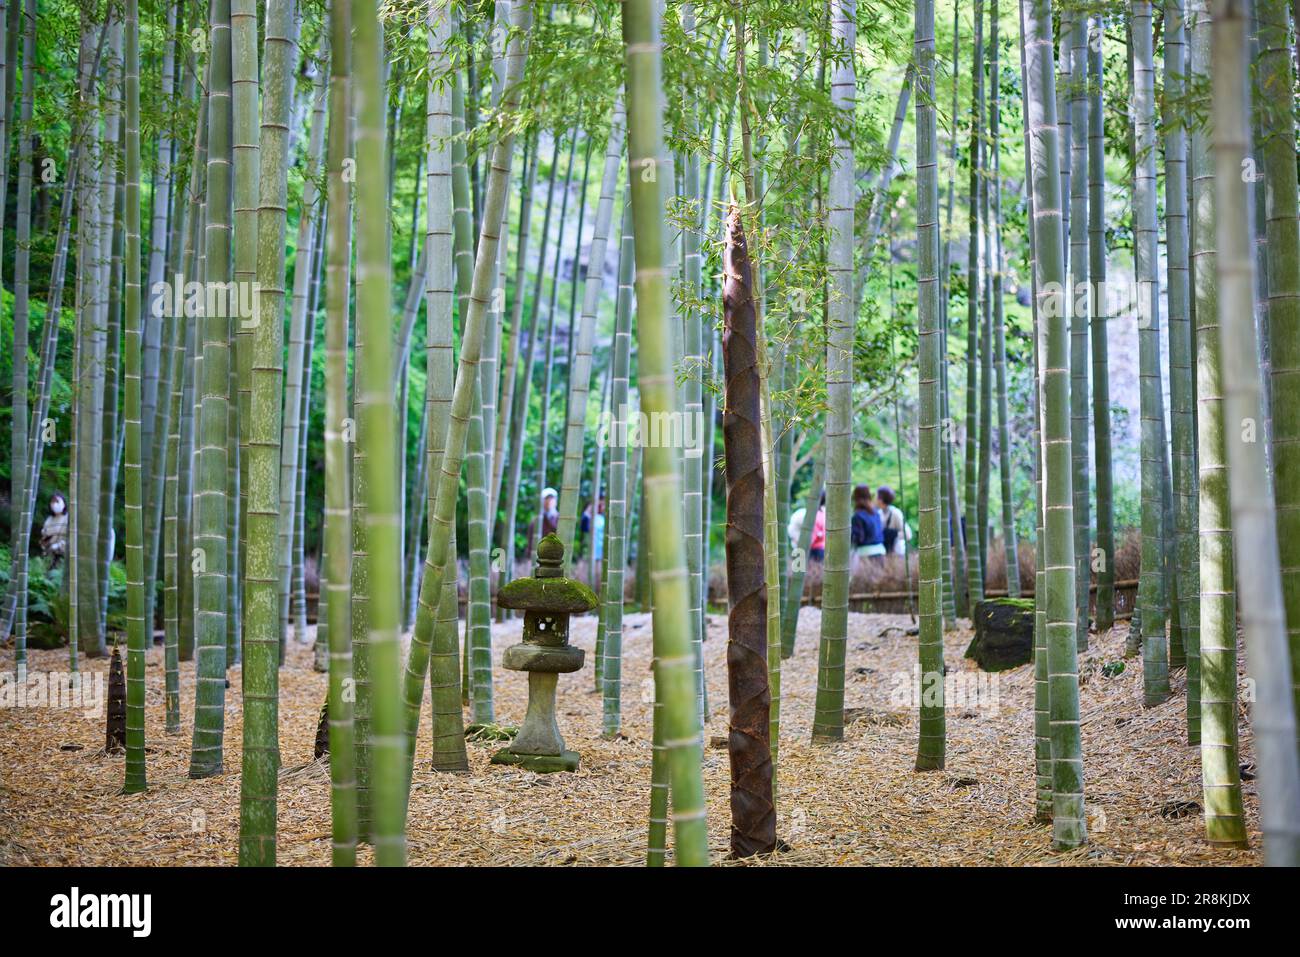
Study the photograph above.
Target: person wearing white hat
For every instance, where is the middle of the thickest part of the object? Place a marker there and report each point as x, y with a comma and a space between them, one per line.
550, 513
548, 519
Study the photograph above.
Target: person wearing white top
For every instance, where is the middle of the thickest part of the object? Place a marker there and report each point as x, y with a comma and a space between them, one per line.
897, 533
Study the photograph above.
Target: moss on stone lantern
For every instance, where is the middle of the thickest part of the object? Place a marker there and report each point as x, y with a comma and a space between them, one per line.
547, 600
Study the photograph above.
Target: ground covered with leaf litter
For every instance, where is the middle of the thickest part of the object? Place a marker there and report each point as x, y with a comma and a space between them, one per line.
855, 802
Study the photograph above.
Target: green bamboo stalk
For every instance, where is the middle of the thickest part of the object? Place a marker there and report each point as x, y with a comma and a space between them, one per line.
13, 27
20, 525
83, 500
1263, 616
1065, 124
828, 720
17, 451
210, 512
617, 525
954, 546
180, 358
479, 610
984, 470
931, 743
297, 362
109, 433
1042, 715
970, 533
467, 221
1098, 317
19, 472
1181, 389
1155, 652
244, 98
155, 409
402, 374
185, 455
1069, 826
694, 461
1078, 266
1275, 66
1220, 771
711, 373
298, 579
361, 565
377, 437
599, 488
112, 428
416, 500
137, 639
262, 622
469, 114
1259, 226
234, 497
337, 583
674, 679
644, 596
1009, 542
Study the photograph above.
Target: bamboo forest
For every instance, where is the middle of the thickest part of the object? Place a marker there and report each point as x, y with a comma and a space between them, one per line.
649, 433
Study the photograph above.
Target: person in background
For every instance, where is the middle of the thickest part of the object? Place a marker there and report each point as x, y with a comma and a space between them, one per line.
597, 541
548, 519
598, 531
54, 530
550, 513
896, 532
817, 547
795, 528
866, 530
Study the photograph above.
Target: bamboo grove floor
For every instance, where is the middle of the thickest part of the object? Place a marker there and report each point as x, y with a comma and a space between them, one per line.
856, 802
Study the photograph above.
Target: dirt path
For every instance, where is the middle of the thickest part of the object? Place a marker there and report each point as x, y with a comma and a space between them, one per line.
857, 802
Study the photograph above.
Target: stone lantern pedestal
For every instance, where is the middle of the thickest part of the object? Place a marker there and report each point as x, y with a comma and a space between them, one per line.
547, 600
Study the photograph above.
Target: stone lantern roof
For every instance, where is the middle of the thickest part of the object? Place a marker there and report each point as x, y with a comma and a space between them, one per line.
549, 591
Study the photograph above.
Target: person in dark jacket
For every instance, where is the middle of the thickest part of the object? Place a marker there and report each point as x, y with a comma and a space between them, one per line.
866, 531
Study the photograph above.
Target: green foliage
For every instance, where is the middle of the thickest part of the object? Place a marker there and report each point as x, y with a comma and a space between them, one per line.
47, 599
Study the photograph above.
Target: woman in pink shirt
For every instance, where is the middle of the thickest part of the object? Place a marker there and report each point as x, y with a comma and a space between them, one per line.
817, 547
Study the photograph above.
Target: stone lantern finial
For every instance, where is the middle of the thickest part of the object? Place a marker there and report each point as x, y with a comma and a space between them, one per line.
550, 557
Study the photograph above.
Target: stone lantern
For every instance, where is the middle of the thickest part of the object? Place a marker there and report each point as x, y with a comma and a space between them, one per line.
547, 600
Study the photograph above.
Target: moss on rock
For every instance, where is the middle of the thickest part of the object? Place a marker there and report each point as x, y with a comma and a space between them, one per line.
547, 594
